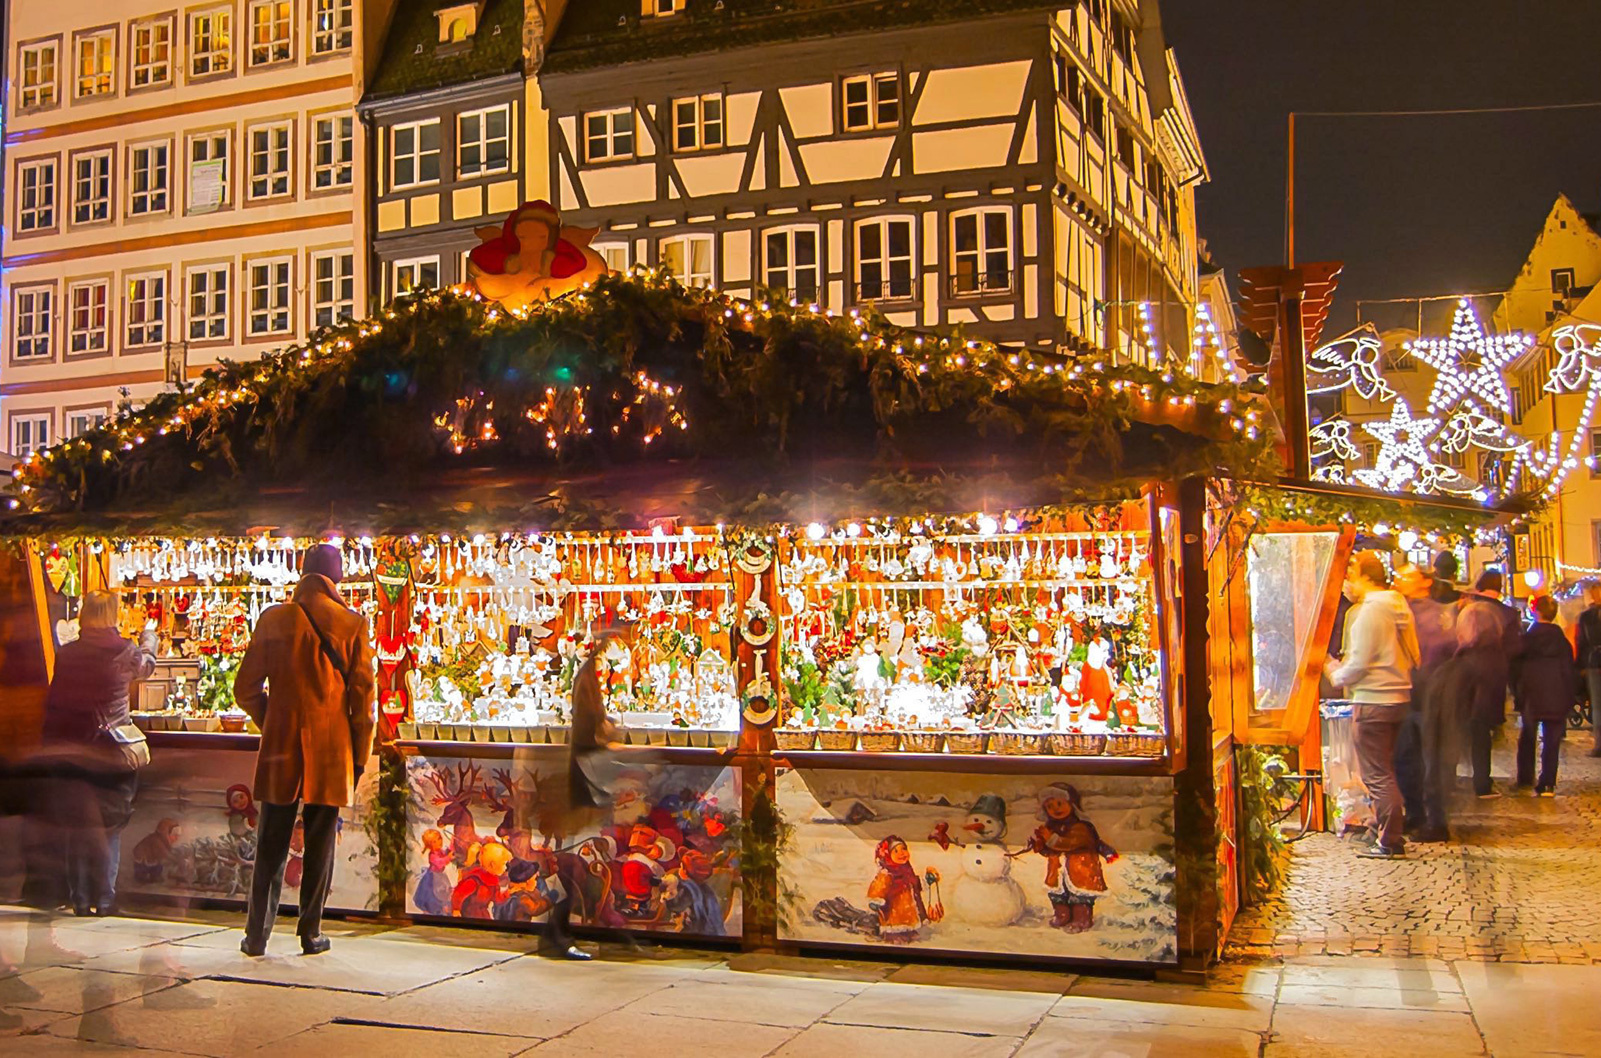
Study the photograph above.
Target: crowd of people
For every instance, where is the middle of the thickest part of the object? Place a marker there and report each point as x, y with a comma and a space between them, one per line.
1429, 668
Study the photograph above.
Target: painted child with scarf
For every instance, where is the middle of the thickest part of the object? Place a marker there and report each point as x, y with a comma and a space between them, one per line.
896, 893
1073, 852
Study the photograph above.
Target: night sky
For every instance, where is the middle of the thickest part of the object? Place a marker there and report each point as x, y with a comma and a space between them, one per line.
1413, 206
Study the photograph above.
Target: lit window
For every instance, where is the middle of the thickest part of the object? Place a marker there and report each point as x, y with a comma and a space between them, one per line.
872, 102
269, 31
208, 303
38, 64
689, 259
331, 26
269, 297
147, 178
335, 152
790, 262
152, 53
87, 324
483, 141
414, 154
884, 265
211, 41
615, 254
91, 187
660, 8
35, 311
415, 273
36, 195
146, 313
82, 420
698, 123
208, 171
95, 58
982, 251
609, 135
269, 161
29, 434
333, 290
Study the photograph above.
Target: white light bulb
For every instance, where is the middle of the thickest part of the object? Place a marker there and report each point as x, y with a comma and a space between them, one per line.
814, 531
987, 525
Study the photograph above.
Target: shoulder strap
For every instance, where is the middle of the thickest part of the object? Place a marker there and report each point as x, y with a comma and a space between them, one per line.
322, 641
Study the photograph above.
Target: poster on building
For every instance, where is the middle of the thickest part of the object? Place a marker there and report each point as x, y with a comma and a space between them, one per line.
207, 185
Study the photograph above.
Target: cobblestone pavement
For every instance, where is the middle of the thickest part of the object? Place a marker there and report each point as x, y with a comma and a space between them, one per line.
1520, 882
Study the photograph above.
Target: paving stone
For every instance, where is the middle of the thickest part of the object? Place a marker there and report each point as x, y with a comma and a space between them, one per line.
971, 1010
1332, 1032
1072, 1038
1565, 1019
854, 1041
627, 1032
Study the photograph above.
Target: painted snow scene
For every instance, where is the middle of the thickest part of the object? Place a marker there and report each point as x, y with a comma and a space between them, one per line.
193, 834
664, 857
1037, 865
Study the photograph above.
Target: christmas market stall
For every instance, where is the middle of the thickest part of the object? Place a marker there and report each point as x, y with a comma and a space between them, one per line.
915, 626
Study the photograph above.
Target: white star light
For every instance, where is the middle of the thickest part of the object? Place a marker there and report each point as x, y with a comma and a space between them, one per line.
1469, 362
1403, 453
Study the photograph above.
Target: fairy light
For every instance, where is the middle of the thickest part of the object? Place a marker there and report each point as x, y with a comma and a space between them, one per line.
1469, 361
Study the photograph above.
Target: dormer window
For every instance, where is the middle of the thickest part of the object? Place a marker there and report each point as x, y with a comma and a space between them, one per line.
660, 8
458, 22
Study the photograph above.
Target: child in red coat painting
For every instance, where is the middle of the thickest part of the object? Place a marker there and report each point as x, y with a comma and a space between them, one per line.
1073, 852
896, 894
479, 889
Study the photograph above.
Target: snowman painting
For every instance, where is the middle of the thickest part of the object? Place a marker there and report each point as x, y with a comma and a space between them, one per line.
986, 895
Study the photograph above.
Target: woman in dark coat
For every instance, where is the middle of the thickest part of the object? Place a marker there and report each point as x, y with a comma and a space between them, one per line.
85, 710
1546, 684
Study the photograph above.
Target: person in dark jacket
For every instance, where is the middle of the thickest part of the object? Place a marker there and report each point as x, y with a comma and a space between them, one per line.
1425, 755
1444, 589
1489, 638
1588, 649
96, 778
1546, 682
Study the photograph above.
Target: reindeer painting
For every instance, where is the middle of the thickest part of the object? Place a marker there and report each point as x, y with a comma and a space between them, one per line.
453, 791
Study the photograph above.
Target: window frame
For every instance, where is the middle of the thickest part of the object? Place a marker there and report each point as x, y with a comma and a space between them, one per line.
211, 136
626, 246
144, 302
886, 259
211, 269
47, 93
100, 34
52, 221
482, 141
280, 288
699, 123
150, 23
420, 261
874, 102
101, 410
338, 278
70, 310
106, 155
689, 239
48, 335
982, 252
165, 190
347, 31
791, 234
347, 164
662, 8
194, 54
611, 136
287, 173
275, 43
417, 154
33, 418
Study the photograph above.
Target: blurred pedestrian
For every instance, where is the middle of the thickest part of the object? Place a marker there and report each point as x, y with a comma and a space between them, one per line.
1425, 757
1489, 636
1588, 651
1381, 650
1444, 589
1546, 681
307, 681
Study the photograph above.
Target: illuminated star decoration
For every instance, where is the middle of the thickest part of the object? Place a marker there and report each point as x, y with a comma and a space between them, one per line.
1403, 454
1469, 362
1350, 360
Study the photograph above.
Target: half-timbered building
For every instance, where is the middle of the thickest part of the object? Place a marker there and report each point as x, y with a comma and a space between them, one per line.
1024, 169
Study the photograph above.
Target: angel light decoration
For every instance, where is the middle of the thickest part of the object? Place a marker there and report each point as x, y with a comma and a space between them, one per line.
532, 257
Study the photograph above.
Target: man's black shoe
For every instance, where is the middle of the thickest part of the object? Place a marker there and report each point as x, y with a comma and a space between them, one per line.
253, 948
315, 945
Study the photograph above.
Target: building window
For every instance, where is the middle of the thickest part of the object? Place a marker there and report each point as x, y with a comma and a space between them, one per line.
38, 64
152, 52
981, 251
483, 141
1125, 147
872, 101
415, 273
790, 262
87, 325
333, 288
661, 8
331, 26
29, 434
615, 253
82, 420
147, 178
334, 151
208, 171
91, 187
1095, 113
208, 303
269, 297
96, 53
146, 313
35, 311
1562, 282
269, 161
609, 135
884, 262
211, 41
414, 154
698, 123
689, 259
36, 195
269, 31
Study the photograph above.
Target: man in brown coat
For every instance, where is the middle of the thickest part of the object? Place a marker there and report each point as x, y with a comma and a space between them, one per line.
307, 681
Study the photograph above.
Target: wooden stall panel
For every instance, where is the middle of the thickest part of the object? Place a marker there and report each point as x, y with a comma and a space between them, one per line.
994, 864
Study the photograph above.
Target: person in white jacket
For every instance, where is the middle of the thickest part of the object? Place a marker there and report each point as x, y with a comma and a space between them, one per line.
1381, 650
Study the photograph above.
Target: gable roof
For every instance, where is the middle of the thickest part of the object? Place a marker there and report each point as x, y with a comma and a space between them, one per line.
415, 61
611, 32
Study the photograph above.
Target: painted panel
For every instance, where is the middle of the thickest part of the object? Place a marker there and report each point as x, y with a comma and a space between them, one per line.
961, 316
504, 197
737, 256
931, 239
740, 109
569, 133
992, 91
711, 174
834, 161
617, 184
931, 298
810, 109
836, 248
946, 151
1029, 153
1031, 291
392, 215
664, 856
1073, 867
999, 313
1031, 230
193, 833
424, 210
466, 203
569, 196
786, 163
